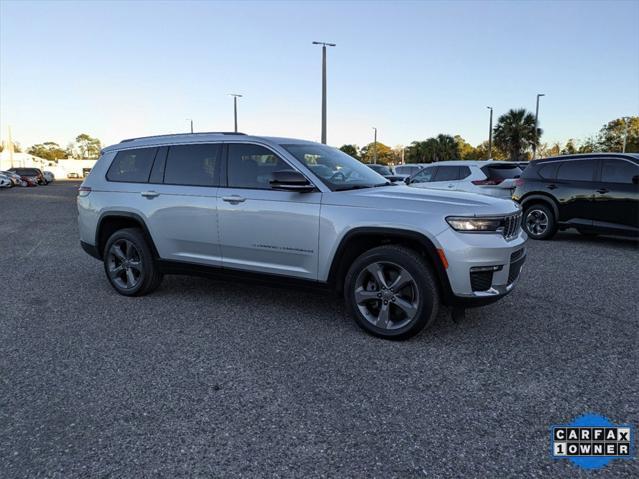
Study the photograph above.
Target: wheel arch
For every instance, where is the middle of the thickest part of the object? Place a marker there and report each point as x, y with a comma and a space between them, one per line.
112, 221
361, 239
541, 198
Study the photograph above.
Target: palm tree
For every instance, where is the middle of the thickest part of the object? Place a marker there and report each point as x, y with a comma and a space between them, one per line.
447, 148
515, 132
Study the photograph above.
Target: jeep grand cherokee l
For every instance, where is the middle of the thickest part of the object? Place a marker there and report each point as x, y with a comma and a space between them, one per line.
291, 209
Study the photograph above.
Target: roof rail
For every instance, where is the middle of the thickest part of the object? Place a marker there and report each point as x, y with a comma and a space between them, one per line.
185, 134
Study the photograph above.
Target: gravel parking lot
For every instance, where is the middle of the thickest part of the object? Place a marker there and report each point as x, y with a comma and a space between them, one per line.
222, 379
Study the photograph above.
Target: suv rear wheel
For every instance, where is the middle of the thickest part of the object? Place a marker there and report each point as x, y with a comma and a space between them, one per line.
129, 265
539, 222
391, 292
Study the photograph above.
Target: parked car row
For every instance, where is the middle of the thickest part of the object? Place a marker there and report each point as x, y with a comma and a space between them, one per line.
593, 193
25, 177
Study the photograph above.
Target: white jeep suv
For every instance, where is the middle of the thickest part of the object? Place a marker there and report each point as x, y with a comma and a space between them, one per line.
287, 209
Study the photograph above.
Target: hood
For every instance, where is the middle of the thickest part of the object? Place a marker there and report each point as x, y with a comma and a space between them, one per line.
405, 198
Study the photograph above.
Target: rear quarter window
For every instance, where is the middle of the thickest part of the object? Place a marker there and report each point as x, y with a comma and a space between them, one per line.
501, 172
132, 166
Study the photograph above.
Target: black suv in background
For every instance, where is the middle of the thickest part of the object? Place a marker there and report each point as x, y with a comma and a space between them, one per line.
594, 193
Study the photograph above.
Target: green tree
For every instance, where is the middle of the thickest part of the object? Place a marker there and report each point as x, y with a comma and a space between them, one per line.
384, 153
48, 150
466, 150
570, 148
16, 147
481, 151
612, 134
515, 133
440, 148
87, 146
351, 150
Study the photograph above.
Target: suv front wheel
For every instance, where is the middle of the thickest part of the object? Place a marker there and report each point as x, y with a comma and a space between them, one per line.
129, 264
539, 222
391, 292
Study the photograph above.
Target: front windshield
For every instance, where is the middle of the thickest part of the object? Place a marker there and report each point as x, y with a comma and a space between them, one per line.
336, 169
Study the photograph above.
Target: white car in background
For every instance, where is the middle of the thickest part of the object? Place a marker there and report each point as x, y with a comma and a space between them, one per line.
488, 177
5, 182
48, 176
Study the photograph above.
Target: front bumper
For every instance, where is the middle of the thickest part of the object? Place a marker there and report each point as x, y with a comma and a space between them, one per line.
468, 252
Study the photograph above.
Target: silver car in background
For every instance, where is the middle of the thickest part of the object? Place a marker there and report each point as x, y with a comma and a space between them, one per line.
290, 210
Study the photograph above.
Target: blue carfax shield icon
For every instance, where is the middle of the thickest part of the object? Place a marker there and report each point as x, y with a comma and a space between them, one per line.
591, 441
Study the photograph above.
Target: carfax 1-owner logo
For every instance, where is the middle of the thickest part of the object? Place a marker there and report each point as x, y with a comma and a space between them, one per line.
591, 441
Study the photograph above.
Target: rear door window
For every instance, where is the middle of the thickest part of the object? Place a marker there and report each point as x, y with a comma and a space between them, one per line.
447, 173
618, 171
132, 166
464, 172
576, 170
547, 172
193, 165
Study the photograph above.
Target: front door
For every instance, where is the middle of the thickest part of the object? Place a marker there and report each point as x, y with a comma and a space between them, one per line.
446, 178
262, 229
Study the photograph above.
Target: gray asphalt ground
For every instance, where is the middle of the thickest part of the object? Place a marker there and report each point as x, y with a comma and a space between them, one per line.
222, 379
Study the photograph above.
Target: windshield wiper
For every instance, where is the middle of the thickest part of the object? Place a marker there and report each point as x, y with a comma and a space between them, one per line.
387, 183
362, 187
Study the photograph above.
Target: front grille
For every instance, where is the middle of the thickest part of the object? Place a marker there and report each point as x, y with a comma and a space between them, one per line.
512, 223
481, 280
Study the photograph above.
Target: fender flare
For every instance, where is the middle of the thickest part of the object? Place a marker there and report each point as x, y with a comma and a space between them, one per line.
129, 215
541, 198
336, 278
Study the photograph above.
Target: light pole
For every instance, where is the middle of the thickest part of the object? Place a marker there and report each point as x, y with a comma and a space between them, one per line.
235, 97
539, 95
189, 119
375, 146
324, 45
490, 134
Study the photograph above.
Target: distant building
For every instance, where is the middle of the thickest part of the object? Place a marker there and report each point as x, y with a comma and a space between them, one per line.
61, 170
20, 160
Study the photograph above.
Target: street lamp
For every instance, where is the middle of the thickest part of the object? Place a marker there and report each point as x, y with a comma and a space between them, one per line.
235, 97
490, 134
189, 119
539, 95
375, 146
324, 45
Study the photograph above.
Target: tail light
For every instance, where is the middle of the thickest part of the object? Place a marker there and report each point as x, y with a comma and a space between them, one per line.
519, 182
488, 182
84, 191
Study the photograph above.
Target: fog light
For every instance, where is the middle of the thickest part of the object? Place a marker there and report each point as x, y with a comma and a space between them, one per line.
479, 269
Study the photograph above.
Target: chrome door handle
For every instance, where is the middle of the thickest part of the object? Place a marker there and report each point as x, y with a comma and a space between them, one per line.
602, 191
233, 199
150, 194
451, 186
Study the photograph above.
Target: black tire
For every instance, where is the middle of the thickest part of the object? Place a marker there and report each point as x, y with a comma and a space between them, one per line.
139, 259
422, 293
543, 212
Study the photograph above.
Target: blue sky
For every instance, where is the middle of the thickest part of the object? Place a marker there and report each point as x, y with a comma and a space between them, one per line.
412, 69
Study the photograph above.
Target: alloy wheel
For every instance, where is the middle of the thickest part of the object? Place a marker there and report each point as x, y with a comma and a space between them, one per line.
386, 295
537, 222
124, 264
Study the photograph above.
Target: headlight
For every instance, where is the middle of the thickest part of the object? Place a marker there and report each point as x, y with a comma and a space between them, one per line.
474, 224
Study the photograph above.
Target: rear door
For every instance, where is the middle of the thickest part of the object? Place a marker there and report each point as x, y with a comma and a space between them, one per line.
616, 203
181, 203
574, 187
262, 229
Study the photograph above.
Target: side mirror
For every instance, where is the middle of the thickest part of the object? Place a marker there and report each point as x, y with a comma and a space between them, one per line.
407, 180
290, 180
